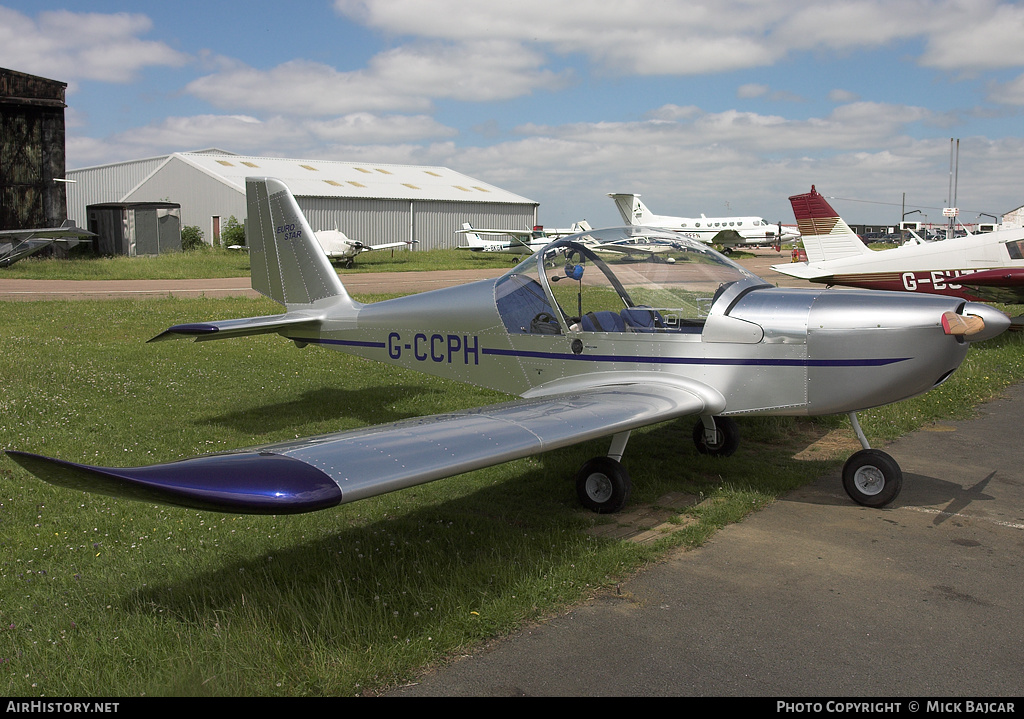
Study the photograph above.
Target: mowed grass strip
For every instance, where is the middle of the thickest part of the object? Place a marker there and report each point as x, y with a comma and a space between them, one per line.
215, 263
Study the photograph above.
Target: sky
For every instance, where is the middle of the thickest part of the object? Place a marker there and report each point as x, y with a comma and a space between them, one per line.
721, 107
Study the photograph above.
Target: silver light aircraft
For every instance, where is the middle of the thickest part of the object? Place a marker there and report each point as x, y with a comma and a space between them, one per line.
594, 345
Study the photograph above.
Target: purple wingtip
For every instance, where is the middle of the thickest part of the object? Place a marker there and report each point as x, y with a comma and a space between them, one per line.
243, 483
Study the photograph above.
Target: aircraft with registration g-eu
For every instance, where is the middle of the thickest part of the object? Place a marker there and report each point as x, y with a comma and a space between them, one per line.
727, 232
594, 344
986, 267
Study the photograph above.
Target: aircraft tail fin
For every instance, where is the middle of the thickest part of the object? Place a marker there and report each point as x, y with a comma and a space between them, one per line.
473, 239
288, 264
632, 210
825, 235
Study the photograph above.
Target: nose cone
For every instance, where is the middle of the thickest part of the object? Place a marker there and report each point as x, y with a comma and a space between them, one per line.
996, 322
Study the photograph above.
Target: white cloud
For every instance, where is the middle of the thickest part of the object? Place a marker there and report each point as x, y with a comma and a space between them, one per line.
70, 46
842, 96
976, 35
242, 133
751, 90
700, 36
1010, 93
407, 78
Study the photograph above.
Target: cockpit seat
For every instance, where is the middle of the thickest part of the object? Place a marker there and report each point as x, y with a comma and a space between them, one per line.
642, 319
602, 322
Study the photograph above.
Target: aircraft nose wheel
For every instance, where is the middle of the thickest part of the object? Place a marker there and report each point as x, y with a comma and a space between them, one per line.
603, 485
872, 478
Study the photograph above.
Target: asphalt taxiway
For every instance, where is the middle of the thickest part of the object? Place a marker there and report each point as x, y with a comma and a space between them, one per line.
812, 597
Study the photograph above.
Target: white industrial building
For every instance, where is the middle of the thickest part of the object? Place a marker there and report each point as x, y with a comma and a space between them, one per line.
1014, 218
371, 202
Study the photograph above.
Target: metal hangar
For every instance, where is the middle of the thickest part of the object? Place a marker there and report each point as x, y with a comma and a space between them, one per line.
371, 202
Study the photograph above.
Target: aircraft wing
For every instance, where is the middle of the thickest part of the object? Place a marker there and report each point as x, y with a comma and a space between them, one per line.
320, 472
17, 244
727, 238
510, 233
389, 245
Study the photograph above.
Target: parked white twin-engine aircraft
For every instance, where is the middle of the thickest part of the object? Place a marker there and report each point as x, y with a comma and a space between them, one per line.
987, 267
595, 346
727, 232
521, 242
338, 246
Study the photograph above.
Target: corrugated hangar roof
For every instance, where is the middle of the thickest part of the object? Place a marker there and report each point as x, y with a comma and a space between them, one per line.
334, 178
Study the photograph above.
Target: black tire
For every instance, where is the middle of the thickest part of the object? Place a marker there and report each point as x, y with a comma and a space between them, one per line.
603, 485
727, 434
872, 478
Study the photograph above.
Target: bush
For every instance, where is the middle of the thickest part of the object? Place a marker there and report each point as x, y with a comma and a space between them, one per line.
191, 238
233, 233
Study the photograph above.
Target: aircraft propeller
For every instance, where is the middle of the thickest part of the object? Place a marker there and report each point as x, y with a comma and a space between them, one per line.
960, 326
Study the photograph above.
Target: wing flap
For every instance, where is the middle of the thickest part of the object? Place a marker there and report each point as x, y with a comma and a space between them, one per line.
319, 472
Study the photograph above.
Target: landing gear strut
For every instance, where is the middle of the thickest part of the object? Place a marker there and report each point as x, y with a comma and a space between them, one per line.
603, 484
717, 436
870, 476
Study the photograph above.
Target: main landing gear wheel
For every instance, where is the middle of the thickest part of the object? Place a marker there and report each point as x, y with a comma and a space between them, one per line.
603, 485
727, 437
872, 478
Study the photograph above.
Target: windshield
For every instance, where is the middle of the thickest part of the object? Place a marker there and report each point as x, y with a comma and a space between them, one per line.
625, 279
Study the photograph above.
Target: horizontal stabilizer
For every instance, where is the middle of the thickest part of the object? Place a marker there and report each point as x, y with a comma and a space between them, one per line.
224, 329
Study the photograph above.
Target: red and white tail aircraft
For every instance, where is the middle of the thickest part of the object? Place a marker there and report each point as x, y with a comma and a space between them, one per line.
988, 267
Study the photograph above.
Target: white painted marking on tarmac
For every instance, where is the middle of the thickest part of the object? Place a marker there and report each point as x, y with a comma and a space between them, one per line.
931, 510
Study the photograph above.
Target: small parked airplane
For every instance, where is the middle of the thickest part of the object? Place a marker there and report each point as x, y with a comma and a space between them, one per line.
338, 246
522, 242
727, 232
595, 346
985, 267
18, 244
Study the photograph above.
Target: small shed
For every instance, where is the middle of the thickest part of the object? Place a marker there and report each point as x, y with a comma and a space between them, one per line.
135, 228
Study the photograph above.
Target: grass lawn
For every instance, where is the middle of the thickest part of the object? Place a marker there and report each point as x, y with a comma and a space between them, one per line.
107, 597
213, 263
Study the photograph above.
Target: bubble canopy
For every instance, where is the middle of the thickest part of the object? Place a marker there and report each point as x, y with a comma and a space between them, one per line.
629, 279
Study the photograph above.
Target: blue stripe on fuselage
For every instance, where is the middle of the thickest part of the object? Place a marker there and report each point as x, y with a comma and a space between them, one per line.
719, 361
872, 362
